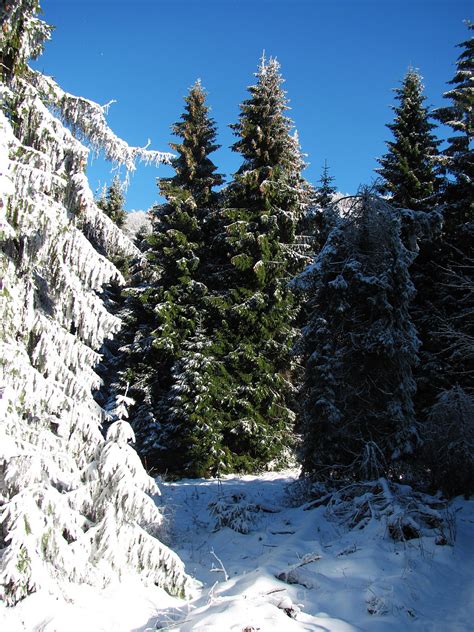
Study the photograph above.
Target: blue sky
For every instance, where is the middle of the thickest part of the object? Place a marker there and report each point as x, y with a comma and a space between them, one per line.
340, 58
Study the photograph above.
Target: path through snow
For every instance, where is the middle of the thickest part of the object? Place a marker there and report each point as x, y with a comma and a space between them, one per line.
336, 581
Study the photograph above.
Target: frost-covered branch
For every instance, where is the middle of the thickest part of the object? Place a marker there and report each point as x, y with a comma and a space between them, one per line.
87, 119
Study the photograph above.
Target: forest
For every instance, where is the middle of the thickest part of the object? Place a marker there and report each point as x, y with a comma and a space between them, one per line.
250, 326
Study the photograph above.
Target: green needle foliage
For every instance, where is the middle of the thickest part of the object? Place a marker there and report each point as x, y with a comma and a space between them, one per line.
407, 169
178, 248
257, 308
326, 191
458, 157
112, 202
361, 347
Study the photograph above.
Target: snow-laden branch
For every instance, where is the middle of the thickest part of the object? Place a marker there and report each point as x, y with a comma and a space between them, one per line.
88, 119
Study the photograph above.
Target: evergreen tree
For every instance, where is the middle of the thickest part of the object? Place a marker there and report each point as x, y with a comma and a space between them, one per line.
52, 324
195, 413
449, 445
174, 305
458, 157
408, 168
321, 215
326, 190
112, 202
410, 178
260, 255
361, 347
448, 329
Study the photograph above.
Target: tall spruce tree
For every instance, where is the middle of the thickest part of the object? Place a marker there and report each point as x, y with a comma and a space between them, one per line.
408, 168
445, 299
65, 492
458, 157
258, 309
178, 249
361, 347
411, 179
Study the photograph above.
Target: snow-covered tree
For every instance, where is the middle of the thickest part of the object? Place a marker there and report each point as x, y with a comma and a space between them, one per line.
112, 201
444, 271
361, 347
262, 207
193, 435
125, 518
458, 157
408, 168
321, 214
179, 250
449, 446
52, 322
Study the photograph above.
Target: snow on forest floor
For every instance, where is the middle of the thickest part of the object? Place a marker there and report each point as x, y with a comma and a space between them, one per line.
336, 580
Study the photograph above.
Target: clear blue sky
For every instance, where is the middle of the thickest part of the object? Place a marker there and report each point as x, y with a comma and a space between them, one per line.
340, 58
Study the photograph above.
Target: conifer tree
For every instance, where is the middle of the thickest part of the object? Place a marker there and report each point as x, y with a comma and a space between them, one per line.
321, 214
326, 190
458, 157
177, 250
257, 308
196, 419
448, 326
112, 202
361, 347
408, 169
52, 323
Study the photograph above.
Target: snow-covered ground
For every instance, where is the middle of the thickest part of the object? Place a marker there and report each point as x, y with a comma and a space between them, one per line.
335, 580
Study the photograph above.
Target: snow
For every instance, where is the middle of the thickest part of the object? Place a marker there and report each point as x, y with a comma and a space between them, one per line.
136, 221
68, 499
332, 579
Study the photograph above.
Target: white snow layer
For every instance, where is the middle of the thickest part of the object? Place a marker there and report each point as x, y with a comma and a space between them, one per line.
73, 506
331, 579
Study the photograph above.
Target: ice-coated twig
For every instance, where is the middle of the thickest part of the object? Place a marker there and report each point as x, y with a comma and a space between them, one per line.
221, 569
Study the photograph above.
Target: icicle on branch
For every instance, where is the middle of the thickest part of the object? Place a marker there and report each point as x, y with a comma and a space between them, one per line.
88, 119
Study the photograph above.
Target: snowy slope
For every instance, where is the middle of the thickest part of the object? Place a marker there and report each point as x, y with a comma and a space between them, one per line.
345, 581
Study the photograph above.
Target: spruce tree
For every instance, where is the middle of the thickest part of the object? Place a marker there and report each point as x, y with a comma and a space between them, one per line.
194, 429
56, 471
326, 190
260, 255
321, 214
112, 202
361, 347
449, 330
175, 304
410, 178
408, 169
458, 157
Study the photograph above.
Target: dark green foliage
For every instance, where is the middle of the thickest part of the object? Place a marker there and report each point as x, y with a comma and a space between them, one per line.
175, 305
321, 215
458, 157
445, 304
361, 346
326, 191
194, 411
408, 169
255, 306
112, 202
449, 447
20, 33
195, 172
